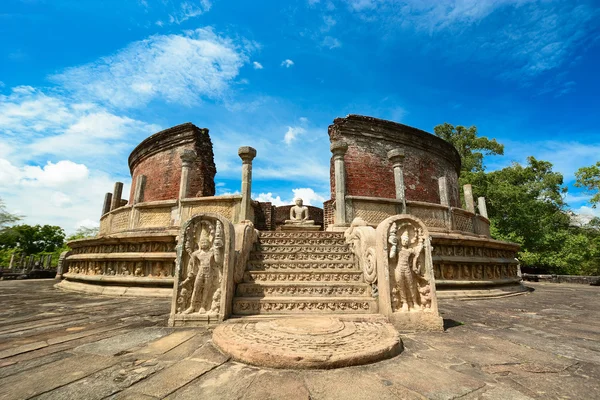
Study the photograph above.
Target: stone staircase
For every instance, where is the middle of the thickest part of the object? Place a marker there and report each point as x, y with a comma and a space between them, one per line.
302, 273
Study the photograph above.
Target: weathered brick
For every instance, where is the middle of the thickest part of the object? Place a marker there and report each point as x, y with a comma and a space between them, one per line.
370, 173
157, 157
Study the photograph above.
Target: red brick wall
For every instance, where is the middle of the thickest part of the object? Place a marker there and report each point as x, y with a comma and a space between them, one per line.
328, 213
158, 157
370, 173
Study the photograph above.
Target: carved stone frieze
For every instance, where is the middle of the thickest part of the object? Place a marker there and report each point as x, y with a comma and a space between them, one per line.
137, 247
286, 290
245, 307
140, 269
263, 266
253, 276
301, 256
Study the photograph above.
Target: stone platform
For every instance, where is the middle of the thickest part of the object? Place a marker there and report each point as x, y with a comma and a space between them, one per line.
309, 343
64, 345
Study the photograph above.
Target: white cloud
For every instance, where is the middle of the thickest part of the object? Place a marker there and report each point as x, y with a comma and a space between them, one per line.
331, 42
257, 65
308, 195
292, 133
181, 69
59, 199
268, 198
287, 63
87, 223
61, 193
584, 214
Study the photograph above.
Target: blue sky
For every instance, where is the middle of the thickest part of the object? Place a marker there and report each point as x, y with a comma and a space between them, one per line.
82, 82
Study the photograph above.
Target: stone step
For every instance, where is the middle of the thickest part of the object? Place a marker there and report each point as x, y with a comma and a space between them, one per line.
303, 305
308, 266
283, 256
309, 276
279, 248
287, 241
267, 290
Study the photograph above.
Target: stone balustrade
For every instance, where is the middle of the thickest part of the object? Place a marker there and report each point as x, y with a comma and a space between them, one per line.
168, 214
436, 217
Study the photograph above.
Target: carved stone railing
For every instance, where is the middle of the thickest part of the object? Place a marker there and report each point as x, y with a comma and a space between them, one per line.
436, 217
168, 214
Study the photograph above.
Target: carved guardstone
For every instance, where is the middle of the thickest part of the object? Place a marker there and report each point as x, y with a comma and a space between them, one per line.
205, 263
299, 219
406, 282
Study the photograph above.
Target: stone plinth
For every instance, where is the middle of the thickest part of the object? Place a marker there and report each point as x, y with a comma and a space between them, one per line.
299, 227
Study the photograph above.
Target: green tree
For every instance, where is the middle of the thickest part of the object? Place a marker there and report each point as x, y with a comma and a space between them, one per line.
6, 218
32, 239
589, 179
471, 149
84, 233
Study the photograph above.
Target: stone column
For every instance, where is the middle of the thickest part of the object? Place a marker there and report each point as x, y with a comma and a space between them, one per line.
116, 197
22, 261
247, 154
469, 202
444, 195
339, 149
48, 261
140, 185
187, 159
107, 203
396, 156
12, 262
482, 207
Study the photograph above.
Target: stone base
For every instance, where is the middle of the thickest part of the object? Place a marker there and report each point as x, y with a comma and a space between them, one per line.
194, 320
308, 343
417, 321
338, 228
474, 292
299, 227
115, 290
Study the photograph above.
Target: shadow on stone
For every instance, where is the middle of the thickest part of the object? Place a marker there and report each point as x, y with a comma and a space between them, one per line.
450, 323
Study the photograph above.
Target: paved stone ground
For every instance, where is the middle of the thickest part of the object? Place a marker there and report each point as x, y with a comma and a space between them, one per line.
57, 345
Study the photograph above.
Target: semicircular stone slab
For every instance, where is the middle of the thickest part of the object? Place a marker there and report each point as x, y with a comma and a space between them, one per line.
308, 342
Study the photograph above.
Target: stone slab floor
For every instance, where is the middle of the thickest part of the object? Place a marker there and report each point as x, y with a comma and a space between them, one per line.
58, 345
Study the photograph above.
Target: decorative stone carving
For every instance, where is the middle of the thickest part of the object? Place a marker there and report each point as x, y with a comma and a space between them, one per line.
245, 238
204, 270
405, 274
361, 236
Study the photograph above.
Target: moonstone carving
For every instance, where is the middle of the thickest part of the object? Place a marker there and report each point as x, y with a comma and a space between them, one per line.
204, 271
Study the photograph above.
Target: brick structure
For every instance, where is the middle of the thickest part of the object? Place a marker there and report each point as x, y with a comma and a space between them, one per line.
369, 171
158, 158
282, 213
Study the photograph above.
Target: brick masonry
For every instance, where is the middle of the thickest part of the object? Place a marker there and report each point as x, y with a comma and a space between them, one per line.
157, 157
370, 173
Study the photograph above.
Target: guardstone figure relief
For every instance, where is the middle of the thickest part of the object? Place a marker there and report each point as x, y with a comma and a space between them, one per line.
410, 289
201, 289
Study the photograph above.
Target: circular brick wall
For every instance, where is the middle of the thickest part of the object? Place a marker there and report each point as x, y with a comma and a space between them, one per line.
370, 173
158, 158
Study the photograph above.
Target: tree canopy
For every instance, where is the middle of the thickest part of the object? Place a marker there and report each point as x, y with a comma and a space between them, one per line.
526, 205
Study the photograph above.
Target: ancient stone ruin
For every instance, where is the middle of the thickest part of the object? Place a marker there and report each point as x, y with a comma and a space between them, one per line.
392, 239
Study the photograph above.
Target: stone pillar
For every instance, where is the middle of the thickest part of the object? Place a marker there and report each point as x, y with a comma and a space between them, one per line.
187, 159
247, 154
22, 261
12, 262
444, 195
107, 203
31, 262
469, 202
396, 156
140, 185
116, 197
339, 149
48, 261
482, 207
